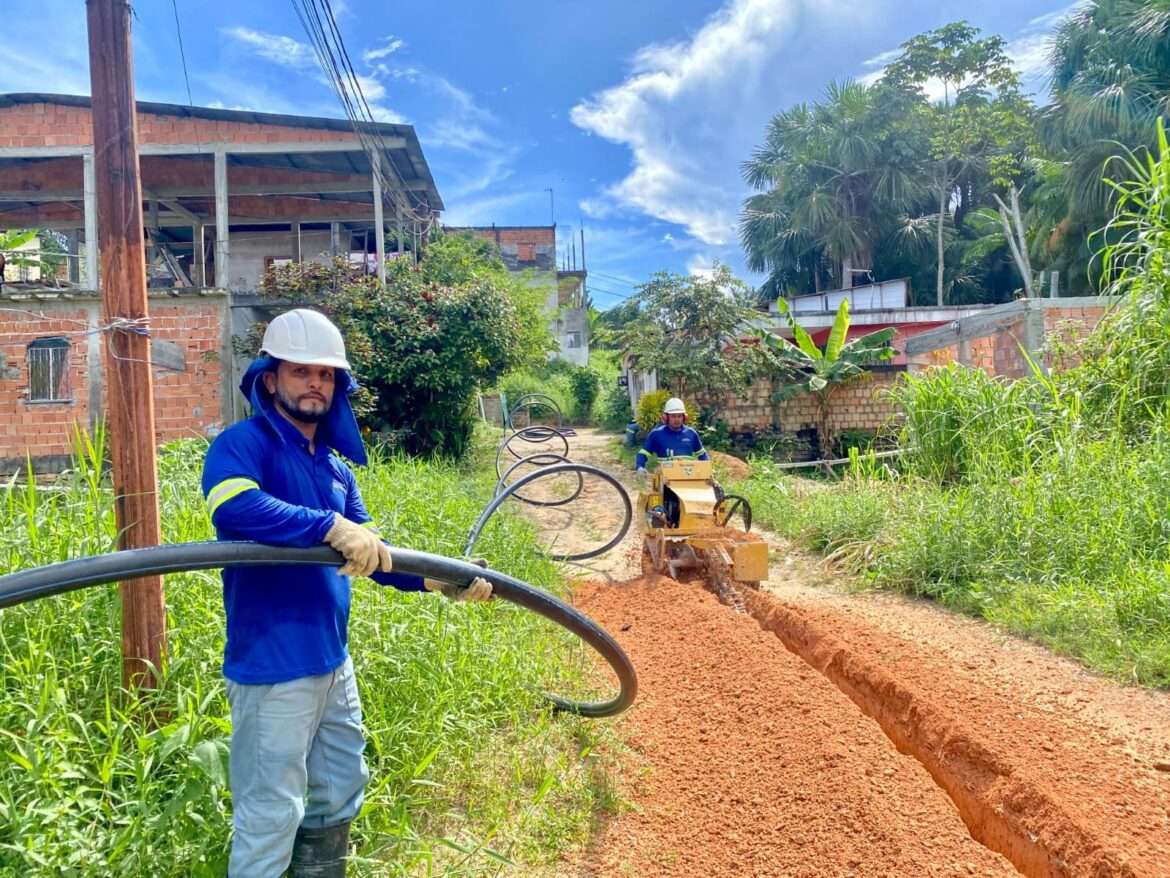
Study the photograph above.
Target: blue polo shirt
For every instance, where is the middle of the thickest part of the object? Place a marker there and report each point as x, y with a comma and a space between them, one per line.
665, 442
262, 483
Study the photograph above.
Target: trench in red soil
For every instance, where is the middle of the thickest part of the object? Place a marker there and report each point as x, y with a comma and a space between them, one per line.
1002, 809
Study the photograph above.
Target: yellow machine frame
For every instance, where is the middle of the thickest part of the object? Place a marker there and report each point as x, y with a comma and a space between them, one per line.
671, 549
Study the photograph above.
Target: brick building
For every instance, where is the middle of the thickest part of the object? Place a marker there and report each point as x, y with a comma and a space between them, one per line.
533, 250
225, 194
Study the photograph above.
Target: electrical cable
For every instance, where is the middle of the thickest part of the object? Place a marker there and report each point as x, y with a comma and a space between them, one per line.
41, 582
320, 24
182, 54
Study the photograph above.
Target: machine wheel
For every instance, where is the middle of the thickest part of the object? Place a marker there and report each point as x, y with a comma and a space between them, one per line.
734, 511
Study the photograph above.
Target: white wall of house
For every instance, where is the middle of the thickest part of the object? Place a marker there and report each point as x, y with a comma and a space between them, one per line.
868, 297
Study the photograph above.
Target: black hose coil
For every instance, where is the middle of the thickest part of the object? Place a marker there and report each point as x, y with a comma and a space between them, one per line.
540, 459
488, 510
40, 582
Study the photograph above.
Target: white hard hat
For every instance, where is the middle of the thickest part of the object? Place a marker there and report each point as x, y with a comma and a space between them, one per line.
674, 406
307, 337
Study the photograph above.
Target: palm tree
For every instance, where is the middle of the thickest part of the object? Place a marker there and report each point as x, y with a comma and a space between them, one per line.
830, 176
806, 368
1110, 85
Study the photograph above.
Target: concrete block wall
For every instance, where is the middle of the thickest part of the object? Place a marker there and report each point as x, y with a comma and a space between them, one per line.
860, 405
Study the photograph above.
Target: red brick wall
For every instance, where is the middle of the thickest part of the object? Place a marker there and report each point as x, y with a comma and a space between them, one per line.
530, 235
186, 403
1065, 328
56, 125
40, 429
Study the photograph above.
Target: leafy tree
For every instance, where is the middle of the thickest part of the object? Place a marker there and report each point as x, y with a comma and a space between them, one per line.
423, 344
688, 329
838, 178
979, 132
806, 368
605, 327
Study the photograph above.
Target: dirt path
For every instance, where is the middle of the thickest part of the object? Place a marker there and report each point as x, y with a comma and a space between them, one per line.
843, 734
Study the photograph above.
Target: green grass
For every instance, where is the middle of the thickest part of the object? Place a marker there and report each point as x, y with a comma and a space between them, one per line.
1071, 550
469, 771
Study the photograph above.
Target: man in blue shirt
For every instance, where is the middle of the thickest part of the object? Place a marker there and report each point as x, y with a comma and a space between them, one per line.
671, 438
297, 770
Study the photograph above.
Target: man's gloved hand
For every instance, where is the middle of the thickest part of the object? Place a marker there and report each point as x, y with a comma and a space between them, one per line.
642, 478
479, 589
363, 550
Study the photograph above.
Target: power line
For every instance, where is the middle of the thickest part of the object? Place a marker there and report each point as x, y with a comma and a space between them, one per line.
593, 288
182, 54
320, 24
614, 277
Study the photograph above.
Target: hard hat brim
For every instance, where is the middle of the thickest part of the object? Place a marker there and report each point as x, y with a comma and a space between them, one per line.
334, 362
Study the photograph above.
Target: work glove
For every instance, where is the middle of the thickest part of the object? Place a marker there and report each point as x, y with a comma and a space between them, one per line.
643, 479
479, 589
363, 550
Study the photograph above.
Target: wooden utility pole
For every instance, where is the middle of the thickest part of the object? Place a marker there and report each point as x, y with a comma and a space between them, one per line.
129, 391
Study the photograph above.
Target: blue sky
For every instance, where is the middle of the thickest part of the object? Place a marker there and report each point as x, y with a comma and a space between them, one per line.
637, 114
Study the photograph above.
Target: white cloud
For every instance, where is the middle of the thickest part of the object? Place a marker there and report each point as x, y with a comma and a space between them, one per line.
883, 59
28, 67
392, 45
290, 53
276, 48
701, 265
487, 210
691, 111
1028, 50
599, 208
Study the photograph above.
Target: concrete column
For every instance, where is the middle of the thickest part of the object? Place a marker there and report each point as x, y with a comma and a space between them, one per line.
398, 223
93, 364
964, 352
222, 243
334, 238
91, 232
152, 253
379, 223
296, 241
198, 264
1034, 333
73, 263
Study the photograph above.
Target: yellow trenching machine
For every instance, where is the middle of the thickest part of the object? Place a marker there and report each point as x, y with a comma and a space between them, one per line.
690, 523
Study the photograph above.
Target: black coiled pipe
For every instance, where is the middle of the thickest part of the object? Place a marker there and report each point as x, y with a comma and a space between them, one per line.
554, 469
40, 582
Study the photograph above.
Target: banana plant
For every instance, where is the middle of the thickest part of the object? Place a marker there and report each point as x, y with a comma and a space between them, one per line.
805, 368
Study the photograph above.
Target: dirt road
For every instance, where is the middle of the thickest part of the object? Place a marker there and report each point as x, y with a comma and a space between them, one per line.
833, 734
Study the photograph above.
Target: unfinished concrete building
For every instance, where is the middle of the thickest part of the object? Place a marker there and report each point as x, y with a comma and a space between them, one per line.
226, 194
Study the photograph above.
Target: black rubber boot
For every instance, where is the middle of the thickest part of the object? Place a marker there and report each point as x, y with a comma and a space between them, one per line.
320, 853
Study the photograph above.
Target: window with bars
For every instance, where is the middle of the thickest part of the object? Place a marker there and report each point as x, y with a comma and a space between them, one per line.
48, 370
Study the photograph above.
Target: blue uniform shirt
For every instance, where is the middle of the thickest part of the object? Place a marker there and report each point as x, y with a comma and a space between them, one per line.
665, 442
262, 483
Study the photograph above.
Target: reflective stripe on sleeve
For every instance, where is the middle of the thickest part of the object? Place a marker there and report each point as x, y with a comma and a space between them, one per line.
227, 489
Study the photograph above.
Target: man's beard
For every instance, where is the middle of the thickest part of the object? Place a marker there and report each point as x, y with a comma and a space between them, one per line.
305, 416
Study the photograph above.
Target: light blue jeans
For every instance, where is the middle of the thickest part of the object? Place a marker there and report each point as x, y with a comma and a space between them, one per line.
296, 760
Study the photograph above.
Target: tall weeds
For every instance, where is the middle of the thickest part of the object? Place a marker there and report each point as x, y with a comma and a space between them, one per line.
468, 769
